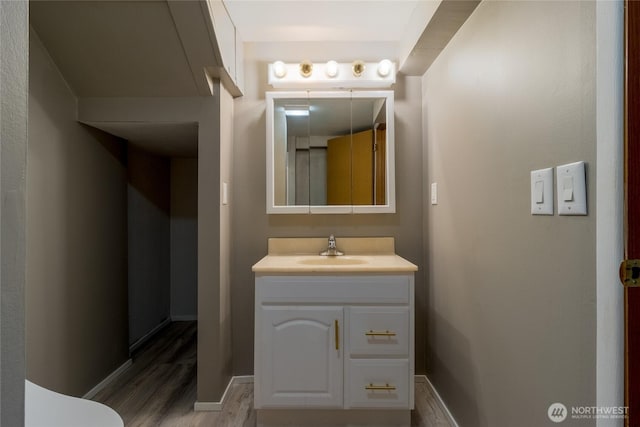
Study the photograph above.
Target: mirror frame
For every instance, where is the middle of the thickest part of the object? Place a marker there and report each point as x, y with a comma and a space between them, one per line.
389, 207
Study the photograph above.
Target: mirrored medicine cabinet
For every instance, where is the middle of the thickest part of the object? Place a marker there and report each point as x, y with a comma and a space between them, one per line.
330, 152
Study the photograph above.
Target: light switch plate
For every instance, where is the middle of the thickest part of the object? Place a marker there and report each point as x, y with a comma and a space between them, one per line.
571, 189
542, 192
225, 194
434, 193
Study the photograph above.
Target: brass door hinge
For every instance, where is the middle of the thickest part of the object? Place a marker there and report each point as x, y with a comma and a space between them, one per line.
630, 273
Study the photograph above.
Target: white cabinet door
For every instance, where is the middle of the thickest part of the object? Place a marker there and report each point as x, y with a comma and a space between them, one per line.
302, 356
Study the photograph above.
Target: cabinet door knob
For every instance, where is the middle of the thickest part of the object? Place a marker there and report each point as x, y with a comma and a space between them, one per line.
337, 334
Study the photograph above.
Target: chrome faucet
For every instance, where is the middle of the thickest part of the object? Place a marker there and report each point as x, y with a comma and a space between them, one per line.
331, 250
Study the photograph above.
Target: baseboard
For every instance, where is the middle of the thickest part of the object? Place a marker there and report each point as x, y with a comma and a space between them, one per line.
243, 379
247, 379
105, 382
207, 406
217, 406
184, 318
439, 401
146, 337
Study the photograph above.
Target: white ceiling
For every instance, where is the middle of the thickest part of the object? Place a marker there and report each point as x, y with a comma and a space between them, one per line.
321, 20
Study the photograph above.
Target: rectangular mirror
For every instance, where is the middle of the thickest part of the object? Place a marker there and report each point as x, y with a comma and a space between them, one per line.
330, 152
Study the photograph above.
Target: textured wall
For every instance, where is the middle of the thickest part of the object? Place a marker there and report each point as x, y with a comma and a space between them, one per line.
76, 283
227, 212
148, 210
214, 329
184, 238
14, 63
511, 303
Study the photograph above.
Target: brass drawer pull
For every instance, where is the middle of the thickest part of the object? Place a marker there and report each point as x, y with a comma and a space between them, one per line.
385, 387
386, 333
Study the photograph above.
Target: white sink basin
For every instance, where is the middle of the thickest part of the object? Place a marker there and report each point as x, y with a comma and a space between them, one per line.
331, 260
302, 256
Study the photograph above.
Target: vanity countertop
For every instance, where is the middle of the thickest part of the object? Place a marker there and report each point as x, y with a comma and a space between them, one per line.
362, 255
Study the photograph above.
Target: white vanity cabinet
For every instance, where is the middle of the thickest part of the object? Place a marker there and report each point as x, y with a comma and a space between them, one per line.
325, 341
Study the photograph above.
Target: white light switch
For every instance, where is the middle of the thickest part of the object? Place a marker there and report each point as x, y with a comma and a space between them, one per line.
567, 188
542, 192
434, 193
225, 194
539, 192
572, 189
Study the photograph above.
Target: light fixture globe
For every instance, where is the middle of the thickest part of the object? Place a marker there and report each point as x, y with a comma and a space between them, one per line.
331, 69
279, 69
306, 68
384, 68
358, 68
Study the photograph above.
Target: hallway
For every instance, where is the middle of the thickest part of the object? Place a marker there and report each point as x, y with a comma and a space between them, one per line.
160, 387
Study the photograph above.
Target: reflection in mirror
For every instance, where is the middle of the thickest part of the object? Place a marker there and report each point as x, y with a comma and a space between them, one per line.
356, 159
329, 150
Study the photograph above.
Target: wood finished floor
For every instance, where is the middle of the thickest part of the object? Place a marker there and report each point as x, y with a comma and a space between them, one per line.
159, 389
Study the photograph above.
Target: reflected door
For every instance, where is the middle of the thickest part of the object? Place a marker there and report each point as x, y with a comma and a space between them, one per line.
339, 171
350, 169
380, 154
362, 165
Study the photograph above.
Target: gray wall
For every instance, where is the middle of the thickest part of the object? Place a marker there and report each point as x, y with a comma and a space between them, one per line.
184, 238
511, 324
76, 283
227, 211
214, 328
14, 57
148, 210
252, 226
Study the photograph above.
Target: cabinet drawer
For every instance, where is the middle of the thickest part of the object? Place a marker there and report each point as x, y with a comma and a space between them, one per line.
379, 331
379, 289
378, 383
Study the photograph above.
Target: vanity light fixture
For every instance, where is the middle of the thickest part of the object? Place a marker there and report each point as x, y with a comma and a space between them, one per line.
279, 69
307, 75
384, 67
358, 68
306, 68
331, 69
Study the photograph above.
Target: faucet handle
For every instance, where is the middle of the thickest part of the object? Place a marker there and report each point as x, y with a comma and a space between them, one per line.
331, 250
